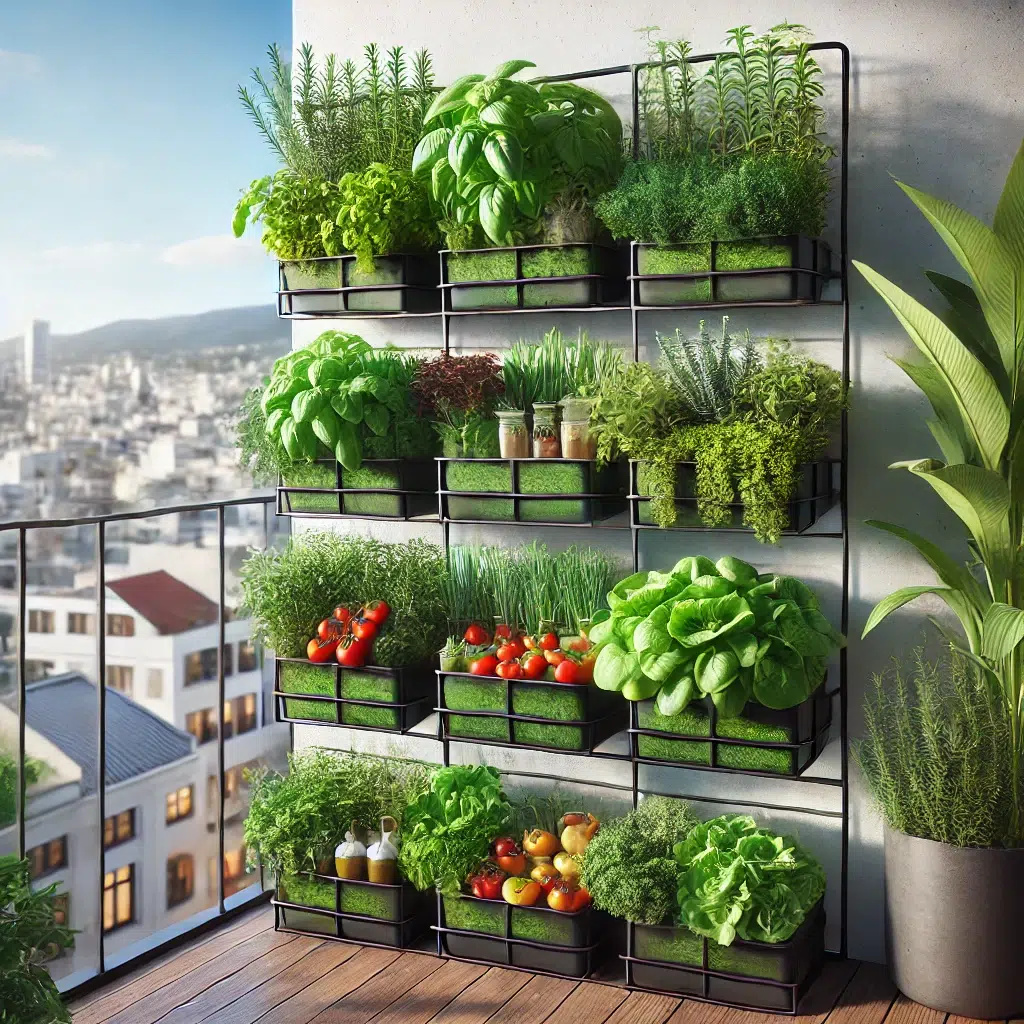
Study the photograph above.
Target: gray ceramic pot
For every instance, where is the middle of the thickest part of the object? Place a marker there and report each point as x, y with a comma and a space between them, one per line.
953, 925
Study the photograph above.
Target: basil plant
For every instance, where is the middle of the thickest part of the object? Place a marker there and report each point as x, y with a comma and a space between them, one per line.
712, 629
497, 151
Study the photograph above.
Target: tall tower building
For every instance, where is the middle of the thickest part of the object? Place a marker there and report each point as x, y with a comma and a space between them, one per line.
36, 363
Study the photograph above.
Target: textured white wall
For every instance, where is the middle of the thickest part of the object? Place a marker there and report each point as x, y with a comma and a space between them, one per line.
935, 100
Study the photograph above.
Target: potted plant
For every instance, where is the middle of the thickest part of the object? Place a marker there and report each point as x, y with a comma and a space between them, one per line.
732, 175
718, 650
956, 953
29, 936
345, 216
510, 164
723, 433
290, 595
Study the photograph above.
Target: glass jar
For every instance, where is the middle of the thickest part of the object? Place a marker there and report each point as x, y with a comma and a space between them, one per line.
578, 441
513, 438
545, 431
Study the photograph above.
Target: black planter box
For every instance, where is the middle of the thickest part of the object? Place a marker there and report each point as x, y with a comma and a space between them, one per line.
747, 975
331, 286
413, 492
774, 269
582, 718
354, 911
817, 491
493, 931
521, 491
734, 744
519, 277
371, 697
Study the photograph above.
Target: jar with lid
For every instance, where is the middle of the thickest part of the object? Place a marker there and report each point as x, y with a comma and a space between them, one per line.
513, 437
578, 440
545, 431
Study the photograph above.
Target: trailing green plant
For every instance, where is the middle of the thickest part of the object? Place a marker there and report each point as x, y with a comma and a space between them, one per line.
737, 880
449, 828
460, 393
498, 151
29, 936
628, 867
289, 592
707, 373
972, 378
717, 629
34, 771
937, 752
298, 818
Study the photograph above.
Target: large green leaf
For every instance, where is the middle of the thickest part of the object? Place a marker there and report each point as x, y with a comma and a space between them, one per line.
325, 426
676, 694
348, 450
442, 180
500, 114
615, 667
465, 146
306, 404
935, 389
981, 405
695, 623
1008, 223
430, 149
652, 634
497, 207
504, 154
897, 599
715, 669
451, 98
661, 667
509, 68
1002, 629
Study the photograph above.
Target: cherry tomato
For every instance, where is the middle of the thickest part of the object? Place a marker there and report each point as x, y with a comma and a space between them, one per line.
342, 614
534, 666
568, 672
353, 652
507, 652
364, 629
510, 670
321, 650
587, 670
504, 846
529, 643
502, 632
560, 897
377, 611
548, 642
326, 629
554, 657
476, 635
484, 666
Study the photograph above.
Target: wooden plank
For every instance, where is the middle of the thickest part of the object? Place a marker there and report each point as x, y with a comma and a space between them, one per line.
692, 1012
105, 1002
277, 989
533, 1002
482, 999
380, 991
955, 1019
826, 991
347, 977
589, 1003
431, 995
905, 1012
866, 1000
644, 1008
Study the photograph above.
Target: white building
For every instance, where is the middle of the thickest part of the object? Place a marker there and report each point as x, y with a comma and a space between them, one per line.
36, 359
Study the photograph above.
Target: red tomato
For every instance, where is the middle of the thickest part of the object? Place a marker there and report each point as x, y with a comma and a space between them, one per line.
486, 883
568, 672
560, 896
514, 864
377, 611
502, 632
529, 643
321, 650
580, 899
353, 652
548, 642
504, 846
484, 666
342, 614
476, 635
510, 670
364, 629
587, 669
506, 652
554, 657
534, 666
326, 629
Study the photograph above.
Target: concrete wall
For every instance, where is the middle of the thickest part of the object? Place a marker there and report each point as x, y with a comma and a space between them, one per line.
935, 101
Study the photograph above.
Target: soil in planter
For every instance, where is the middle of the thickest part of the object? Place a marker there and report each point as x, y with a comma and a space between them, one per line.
479, 476
678, 946
298, 678
692, 722
474, 916
542, 927
360, 899
312, 474
310, 892
370, 504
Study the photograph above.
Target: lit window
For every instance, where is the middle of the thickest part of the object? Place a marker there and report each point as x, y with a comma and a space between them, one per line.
229, 719
47, 857
179, 804
81, 623
245, 713
202, 724
40, 621
119, 828
180, 879
155, 683
120, 625
247, 661
119, 898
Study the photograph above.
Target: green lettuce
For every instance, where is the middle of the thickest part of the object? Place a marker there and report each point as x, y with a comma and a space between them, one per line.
737, 879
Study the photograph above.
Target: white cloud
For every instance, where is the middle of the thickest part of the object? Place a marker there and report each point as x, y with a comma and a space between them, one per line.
19, 149
15, 62
213, 251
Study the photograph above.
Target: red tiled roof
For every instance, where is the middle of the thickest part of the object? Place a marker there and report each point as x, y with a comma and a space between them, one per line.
170, 605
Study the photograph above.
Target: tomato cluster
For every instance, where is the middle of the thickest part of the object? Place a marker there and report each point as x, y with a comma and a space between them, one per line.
348, 636
518, 656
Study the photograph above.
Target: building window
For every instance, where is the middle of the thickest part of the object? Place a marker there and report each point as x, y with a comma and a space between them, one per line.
232, 782
245, 713
229, 719
36, 670
179, 804
247, 656
119, 898
40, 621
201, 666
81, 623
61, 904
120, 625
202, 724
47, 857
155, 683
234, 871
119, 828
180, 879
121, 678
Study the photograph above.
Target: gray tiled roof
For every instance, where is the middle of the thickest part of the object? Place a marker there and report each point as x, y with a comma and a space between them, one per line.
63, 709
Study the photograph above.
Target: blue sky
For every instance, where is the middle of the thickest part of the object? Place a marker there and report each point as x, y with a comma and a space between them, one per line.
123, 149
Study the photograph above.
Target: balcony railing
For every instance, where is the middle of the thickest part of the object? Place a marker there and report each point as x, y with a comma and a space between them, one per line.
94, 762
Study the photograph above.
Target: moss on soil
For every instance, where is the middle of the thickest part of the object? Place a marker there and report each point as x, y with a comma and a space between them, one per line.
298, 678
366, 686
564, 737
734, 960
687, 260
567, 262
744, 255
309, 892
678, 946
361, 899
311, 474
474, 916
371, 504
479, 728
559, 702
474, 694
538, 926
370, 717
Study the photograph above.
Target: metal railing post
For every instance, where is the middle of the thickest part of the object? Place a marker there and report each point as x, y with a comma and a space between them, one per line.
101, 719
221, 693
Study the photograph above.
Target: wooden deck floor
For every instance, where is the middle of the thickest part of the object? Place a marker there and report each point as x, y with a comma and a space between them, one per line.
248, 972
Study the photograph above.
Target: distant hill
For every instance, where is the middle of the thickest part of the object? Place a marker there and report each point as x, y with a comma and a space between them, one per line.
245, 325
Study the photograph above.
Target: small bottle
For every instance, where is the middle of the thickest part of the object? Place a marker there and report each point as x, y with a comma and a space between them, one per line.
350, 858
545, 431
382, 856
513, 438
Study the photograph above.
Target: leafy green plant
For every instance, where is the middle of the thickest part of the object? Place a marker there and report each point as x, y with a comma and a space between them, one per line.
717, 629
29, 936
628, 867
34, 771
739, 880
498, 151
971, 376
288, 592
448, 829
937, 753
